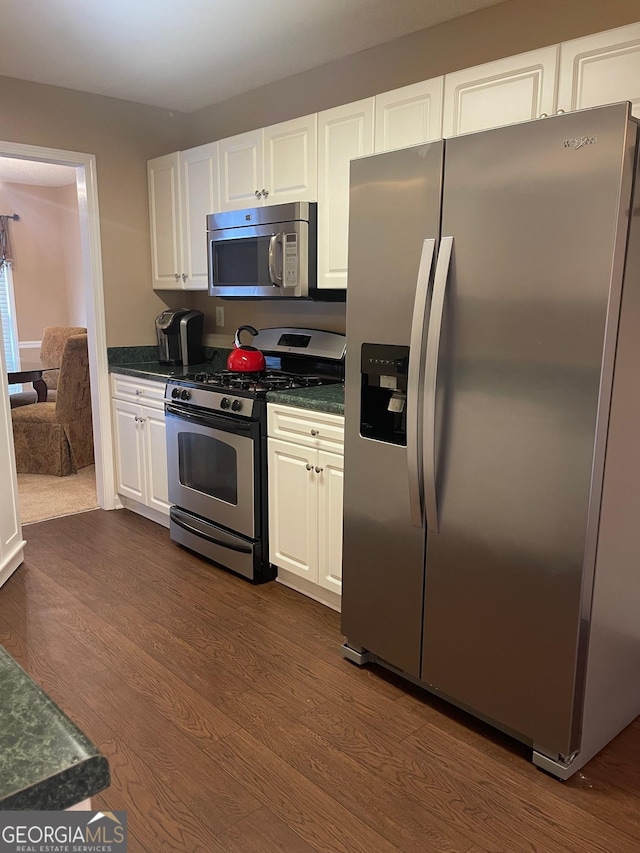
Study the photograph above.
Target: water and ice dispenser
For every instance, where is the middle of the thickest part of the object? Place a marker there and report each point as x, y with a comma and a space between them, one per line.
383, 405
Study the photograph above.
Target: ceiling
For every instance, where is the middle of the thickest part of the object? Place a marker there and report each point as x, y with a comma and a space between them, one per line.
190, 54
13, 171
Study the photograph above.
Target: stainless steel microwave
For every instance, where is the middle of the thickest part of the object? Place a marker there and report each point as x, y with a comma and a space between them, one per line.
263, 252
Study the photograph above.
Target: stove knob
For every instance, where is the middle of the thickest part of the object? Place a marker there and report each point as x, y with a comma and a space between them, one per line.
175, 393
236, 405
185, 395
225, 403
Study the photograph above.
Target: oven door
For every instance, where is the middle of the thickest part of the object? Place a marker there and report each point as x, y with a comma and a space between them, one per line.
259, 260
212, 468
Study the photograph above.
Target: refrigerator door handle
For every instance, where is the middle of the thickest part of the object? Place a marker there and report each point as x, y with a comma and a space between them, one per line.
415, 382
430, 381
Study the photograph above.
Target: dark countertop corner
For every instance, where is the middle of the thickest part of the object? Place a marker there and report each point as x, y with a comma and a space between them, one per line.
47, 762
143, 363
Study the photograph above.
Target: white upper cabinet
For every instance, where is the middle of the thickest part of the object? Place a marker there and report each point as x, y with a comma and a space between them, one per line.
273, 165
241, 171
343, 133
199, 184
509, 90
291, 161
164, 211
183, 189
601, 69
409, 116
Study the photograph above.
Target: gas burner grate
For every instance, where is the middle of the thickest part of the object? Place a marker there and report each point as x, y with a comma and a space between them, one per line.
257, 383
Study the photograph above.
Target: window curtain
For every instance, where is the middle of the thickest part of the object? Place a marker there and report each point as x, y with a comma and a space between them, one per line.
7, 306
6, 252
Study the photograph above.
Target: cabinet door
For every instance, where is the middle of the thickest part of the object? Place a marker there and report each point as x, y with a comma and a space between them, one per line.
129, 438
290, 160
409, 116
164, 212
330, 487
241, 171
509, 90
343, 133
156, 460
293, 508
200, 184
601, 69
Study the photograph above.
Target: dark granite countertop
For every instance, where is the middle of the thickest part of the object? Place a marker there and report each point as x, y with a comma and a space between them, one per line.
326, 398
155, 371
138, 361
143, 363
46, 763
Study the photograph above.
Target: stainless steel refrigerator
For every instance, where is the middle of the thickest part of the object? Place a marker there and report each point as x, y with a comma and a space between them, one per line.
492, 448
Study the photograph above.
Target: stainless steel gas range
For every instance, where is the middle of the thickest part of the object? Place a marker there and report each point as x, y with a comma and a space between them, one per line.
217, 447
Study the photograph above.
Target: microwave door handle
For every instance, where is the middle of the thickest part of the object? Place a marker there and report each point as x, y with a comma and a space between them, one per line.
273, 272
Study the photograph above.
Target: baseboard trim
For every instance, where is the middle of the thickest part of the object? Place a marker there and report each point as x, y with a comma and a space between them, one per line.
146, 511
311, 590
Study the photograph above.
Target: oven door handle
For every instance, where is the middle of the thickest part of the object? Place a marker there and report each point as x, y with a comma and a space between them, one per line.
231, 546
227, 424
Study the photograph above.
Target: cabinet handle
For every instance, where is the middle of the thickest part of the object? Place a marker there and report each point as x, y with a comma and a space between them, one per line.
258, 193
315, 432
177, 276
184, 276
309, 467
138, 392
265, 193
319, 470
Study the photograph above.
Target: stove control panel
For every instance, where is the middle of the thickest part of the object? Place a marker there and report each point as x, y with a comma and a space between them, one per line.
208, 398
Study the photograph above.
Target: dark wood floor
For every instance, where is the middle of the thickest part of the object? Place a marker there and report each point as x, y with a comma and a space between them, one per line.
232, 724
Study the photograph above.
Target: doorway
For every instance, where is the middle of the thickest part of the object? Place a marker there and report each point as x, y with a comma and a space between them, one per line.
84, 168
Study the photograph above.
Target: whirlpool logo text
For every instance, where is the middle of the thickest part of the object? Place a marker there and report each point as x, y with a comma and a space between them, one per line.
580, 142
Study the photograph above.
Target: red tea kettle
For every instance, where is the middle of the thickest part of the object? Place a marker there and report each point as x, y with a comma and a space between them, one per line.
245, 359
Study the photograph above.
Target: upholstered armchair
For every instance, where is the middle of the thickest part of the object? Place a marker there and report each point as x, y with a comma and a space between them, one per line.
51, 348
57, 437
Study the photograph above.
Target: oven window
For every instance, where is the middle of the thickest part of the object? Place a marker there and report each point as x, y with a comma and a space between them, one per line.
242, 262
208, 466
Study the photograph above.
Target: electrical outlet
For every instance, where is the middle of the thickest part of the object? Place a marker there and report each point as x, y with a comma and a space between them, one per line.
220, 316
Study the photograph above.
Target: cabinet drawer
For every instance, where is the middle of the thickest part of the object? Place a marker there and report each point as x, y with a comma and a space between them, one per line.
144, 391
312, 429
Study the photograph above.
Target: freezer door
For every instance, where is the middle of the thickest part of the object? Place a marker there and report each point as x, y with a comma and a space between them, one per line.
394, 220
538, 214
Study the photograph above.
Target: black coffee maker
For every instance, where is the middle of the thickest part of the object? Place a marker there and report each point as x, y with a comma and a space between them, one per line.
179, 332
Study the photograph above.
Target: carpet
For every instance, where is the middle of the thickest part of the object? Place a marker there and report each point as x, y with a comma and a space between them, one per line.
43, 497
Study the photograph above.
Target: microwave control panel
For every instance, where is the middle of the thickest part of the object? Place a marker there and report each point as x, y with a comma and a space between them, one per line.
290, 260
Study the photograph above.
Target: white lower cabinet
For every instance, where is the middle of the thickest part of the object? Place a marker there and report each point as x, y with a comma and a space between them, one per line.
140, 446
305, 500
